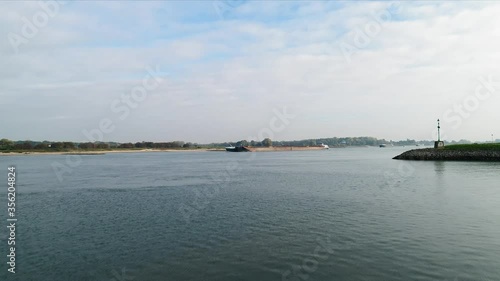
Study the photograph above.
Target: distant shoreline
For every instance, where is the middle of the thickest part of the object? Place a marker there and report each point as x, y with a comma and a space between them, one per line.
101, 152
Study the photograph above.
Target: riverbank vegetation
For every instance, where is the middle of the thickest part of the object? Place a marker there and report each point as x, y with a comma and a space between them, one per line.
7, 146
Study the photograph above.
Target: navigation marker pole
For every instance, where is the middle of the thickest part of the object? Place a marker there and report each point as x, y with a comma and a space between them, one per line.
439, 143
439, 132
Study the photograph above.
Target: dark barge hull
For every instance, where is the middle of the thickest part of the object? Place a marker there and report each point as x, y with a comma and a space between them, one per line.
273, 148
237, 149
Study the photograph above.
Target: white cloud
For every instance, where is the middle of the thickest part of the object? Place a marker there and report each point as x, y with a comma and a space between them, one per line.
226, 76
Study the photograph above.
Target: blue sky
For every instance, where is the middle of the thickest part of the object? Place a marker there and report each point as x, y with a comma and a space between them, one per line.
226, 66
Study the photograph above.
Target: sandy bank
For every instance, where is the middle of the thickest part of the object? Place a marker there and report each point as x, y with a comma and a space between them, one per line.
101, 152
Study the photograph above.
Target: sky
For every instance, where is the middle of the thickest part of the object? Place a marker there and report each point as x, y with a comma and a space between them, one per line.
213, 71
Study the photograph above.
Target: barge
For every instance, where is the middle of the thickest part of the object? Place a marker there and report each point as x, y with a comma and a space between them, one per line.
275, 148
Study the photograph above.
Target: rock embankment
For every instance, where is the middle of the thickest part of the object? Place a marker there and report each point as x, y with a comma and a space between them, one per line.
450, 155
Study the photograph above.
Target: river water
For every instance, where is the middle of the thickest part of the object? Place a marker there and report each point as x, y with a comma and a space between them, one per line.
339, 214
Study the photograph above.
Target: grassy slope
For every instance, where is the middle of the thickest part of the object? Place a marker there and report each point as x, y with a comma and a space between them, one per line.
474, 147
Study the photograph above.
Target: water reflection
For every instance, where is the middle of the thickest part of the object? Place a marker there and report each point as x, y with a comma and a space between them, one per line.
439, 167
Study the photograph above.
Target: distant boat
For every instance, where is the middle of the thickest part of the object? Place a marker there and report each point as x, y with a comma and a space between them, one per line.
232, 148
382, 145
325, 146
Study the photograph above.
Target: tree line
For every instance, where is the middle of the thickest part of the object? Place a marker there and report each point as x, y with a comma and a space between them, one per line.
339, 142
9, 145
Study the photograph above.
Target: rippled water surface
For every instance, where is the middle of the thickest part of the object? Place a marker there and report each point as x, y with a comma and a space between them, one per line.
342, 214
